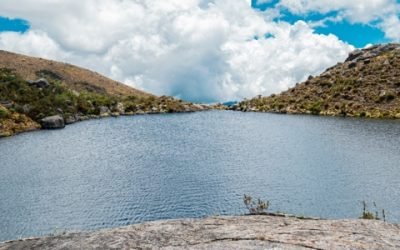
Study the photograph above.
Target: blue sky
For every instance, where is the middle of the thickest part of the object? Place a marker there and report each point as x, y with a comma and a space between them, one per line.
16, 25
357, 34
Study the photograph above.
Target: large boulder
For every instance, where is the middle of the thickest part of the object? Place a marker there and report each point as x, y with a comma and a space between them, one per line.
53, 122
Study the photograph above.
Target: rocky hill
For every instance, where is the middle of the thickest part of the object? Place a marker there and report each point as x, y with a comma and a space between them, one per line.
241, 232
37, 93
367, 84
32, 68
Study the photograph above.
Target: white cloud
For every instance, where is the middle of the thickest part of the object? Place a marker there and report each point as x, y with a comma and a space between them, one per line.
355, 10
381, 13
201, 50
391, 26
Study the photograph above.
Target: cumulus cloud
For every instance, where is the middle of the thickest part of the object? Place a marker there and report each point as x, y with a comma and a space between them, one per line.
381, 13
200, 50
355, 10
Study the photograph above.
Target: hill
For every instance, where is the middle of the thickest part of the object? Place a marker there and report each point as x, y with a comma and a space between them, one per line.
32, 68
37, 93
367, 84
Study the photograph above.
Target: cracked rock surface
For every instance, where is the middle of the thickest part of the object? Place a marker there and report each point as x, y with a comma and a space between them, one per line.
240, 232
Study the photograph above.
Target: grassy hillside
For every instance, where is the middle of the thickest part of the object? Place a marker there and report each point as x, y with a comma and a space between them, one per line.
31, 68
32, 89
367, 84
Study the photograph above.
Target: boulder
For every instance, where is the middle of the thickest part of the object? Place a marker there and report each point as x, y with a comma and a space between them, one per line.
120, 108
40, 83
52, 122
71, 119
353, 55
104, 111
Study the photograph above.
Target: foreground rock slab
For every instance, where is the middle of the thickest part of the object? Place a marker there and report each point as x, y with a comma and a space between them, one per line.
245, 232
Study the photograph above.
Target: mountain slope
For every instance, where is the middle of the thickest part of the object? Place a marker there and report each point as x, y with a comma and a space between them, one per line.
367, 84
37, 93
31, 68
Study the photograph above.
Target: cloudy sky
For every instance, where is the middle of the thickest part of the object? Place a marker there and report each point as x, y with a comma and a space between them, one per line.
199, 50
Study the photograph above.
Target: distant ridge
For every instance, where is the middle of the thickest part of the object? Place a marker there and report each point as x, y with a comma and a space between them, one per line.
367, 84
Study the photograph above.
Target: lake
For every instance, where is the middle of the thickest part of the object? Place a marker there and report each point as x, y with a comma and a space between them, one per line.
119, 171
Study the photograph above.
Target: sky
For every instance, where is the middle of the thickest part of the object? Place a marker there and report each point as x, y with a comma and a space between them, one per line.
199, 50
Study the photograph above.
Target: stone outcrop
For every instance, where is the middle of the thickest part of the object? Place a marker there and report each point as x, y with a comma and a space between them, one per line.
243, 232
52, 122
40, 83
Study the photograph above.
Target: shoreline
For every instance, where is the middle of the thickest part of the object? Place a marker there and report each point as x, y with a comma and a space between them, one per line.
227, 232
97, 117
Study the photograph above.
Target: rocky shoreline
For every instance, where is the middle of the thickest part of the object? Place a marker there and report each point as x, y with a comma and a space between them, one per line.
238, 232
59, 122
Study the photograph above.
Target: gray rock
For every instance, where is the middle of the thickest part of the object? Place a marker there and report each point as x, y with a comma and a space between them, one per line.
353, 55
40, 83
120, 108
7, 104
241, 232
26, 108
53, 122
104, 111
71, 119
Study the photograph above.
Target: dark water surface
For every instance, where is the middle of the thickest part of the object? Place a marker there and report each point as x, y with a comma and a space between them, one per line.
114, 172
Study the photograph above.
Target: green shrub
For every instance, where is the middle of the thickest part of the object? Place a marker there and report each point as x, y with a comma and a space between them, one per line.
4, 113
315, 108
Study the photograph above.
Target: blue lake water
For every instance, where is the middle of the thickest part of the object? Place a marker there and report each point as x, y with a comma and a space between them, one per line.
118, 171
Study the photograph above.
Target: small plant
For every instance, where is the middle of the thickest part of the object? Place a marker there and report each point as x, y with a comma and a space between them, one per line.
255, 206
368, 215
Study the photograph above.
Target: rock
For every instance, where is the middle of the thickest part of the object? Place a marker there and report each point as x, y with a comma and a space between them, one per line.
26, 108
352, 65
120, 108
240, 232
40, 83
104, 111
7, 104
71, 119
52, 122
354, 55
199, 107
83, 118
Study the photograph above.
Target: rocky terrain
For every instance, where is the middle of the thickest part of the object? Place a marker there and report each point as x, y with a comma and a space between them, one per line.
367, 84
243, 232
37, 93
